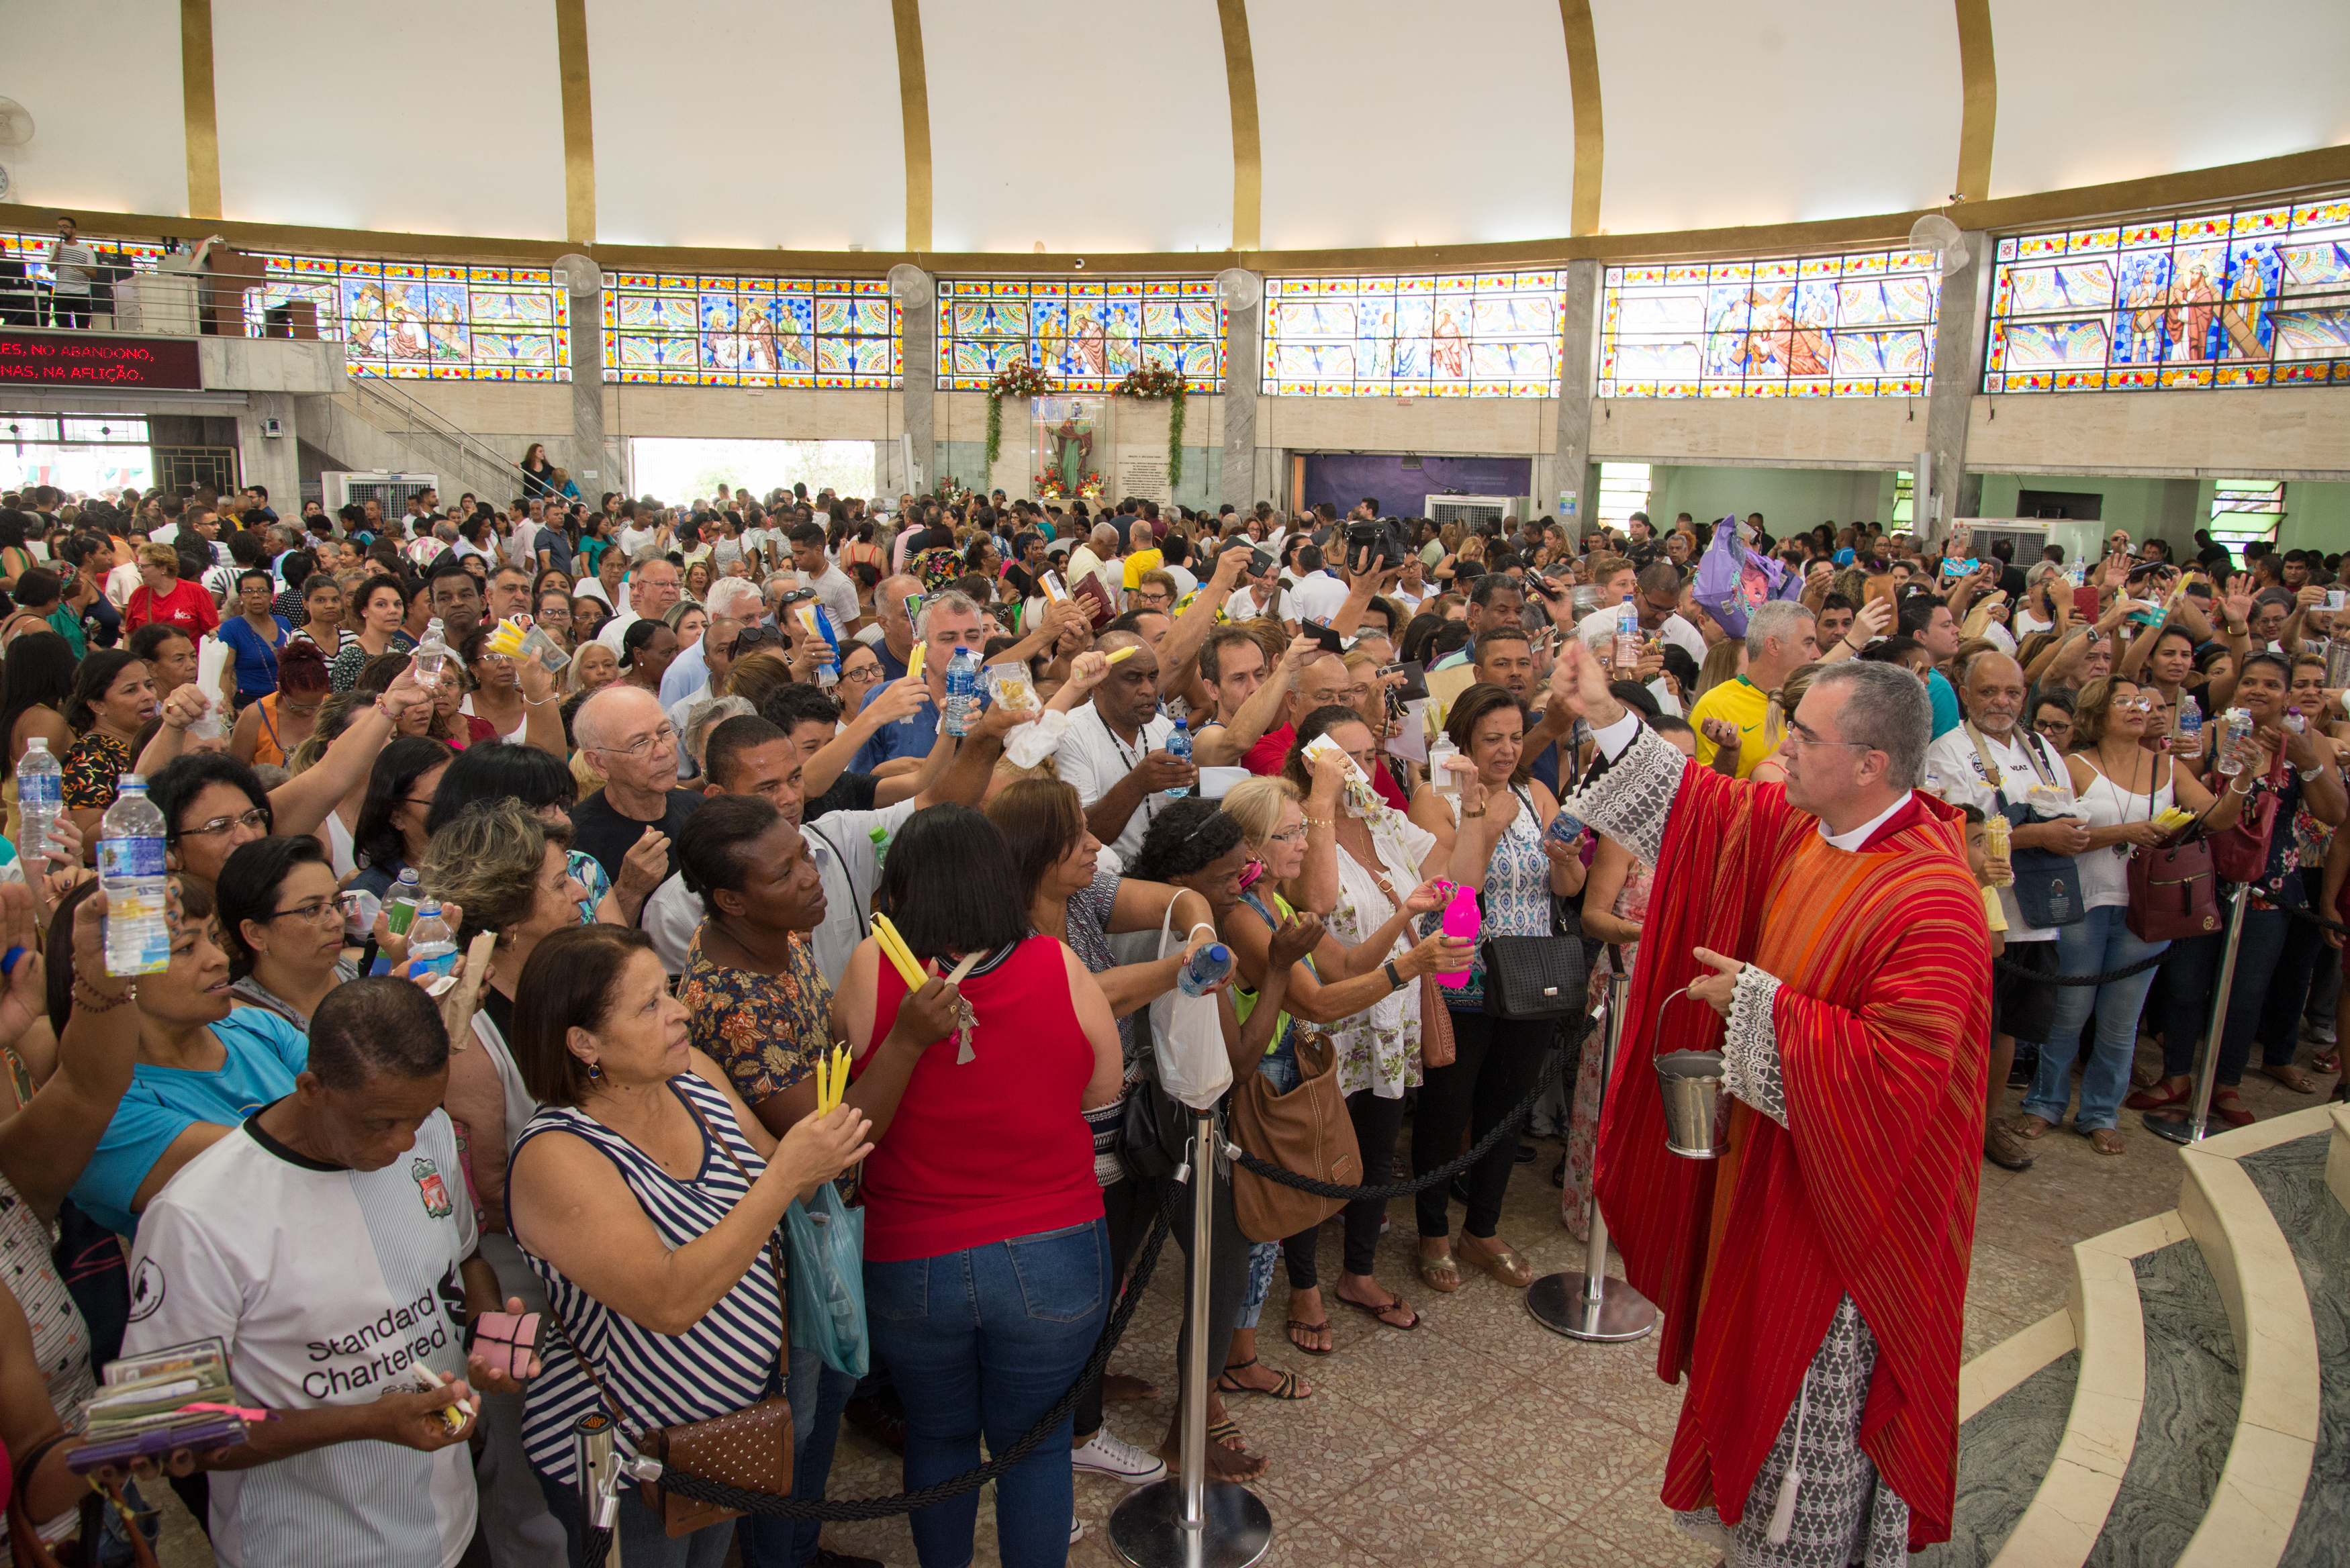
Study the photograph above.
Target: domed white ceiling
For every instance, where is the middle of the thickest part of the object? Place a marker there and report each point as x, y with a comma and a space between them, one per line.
1110, 126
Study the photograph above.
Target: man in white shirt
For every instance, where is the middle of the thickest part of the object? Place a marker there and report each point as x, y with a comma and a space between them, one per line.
2007, 767
1259, 595
1091, 559
70, 262
834, 590
1656, 600
1115, 752
522, 539
652, 590
328, 1242
1318, 593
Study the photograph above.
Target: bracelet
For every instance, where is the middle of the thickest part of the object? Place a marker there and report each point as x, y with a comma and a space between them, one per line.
542, 703
1481, 811
2311, 775
2243, 788
96, 1000
1395, 975
1321, 822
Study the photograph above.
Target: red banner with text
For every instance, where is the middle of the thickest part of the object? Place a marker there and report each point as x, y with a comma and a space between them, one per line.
96, 359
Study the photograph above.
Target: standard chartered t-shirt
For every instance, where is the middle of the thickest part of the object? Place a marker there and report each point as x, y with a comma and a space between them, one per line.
326, 1285
264, 1054
1744, 704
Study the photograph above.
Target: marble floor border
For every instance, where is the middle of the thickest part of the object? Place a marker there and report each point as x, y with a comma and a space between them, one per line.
2337, 1156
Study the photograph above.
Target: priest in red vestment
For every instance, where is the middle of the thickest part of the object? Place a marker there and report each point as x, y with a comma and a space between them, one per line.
1832, 944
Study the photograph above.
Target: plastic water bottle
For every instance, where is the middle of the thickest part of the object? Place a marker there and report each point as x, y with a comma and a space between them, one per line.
431, 654
1627, 639
431, 948
1179, 746
400, 912
2080, 573
2235, 726
963, 692
131, 870
2189, 740
40, 798
1441, 751
2294, 722
1463, 920
1204, 968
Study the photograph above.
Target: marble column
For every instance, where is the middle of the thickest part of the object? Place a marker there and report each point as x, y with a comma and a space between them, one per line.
1572, 490
919, 324
594, 467
273, 460
1242, 361
1958, 372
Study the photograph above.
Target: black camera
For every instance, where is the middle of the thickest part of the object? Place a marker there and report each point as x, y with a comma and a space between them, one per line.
1384, 539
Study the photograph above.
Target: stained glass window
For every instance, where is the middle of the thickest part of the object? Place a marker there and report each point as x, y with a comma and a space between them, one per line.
2243, 510
691, 329
1798, 327
32, 251
2256, 296
1085, 333
1458, 334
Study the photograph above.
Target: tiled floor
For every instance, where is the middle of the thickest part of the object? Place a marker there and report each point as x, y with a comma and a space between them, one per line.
1483, 1438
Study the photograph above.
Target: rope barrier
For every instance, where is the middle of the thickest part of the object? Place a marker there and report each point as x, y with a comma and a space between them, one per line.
1559, 1053
2008, 966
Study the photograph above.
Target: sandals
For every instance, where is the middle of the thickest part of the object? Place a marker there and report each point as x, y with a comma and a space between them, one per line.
2106, 1140
1506, 1267
1286, 1388
1379, 1314
1441, 1272
2229, 1106
2293, 1078
1295, 1325
2328, 1060
2155, 1097
1226, 1432
2029, 1126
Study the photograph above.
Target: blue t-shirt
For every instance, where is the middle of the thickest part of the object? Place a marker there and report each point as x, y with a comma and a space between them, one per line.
1946, 704
264, 1053
256, 661
1842, 558
900, 738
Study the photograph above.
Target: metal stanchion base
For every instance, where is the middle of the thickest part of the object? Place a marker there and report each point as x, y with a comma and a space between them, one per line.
2175, 1129
1556, 1302
1145, 1529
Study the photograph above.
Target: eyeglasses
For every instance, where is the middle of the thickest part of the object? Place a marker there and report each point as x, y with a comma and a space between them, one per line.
317, 911
258, 818
863, 672
644, 744
1295, 834
752, 637
1803, 737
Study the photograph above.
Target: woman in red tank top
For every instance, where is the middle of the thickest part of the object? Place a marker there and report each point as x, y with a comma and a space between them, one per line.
987, 1272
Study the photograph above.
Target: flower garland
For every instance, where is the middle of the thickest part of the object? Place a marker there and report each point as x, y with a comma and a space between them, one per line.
1018, 381
1156, 381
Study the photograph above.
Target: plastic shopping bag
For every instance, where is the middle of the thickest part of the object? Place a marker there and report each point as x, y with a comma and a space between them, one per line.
827, 1280
1186, 1038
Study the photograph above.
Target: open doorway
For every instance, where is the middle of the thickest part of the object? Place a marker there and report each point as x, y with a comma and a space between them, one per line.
681, 469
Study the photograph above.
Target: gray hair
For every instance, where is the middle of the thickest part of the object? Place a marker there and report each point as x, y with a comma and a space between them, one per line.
702, 716
953, 602
735, 598
646, 557
1886, 710
1778, 619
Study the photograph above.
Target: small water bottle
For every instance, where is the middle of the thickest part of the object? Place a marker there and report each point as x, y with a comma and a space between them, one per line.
1463, 920
2080, 575
399, 911
2235, 726
1179, 746
40, 799
432, 947
1441, 750
431, 654
963, 692
2294, 722
131, 870
2189, 734
1627, 639
1211, 964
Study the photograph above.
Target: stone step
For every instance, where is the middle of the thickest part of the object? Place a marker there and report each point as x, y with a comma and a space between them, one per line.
2293, 1179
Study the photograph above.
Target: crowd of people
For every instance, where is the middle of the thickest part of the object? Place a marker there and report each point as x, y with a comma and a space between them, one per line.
666, 829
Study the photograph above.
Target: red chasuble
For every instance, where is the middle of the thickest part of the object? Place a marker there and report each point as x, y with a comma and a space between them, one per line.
1882, 1020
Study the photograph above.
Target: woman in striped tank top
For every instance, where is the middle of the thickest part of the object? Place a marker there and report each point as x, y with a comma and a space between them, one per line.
646, 1196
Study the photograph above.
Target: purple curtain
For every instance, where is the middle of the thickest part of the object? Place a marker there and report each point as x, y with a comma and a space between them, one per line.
1343, 478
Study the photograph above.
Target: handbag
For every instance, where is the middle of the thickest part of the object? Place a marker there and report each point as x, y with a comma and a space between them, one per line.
1305, 1132
750, 1448
827, 1280
2046, 886
2239, 854
25, 1547
2173, 891
1529, 977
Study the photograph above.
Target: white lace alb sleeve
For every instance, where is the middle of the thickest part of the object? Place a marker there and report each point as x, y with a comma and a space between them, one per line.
1630, 801
1750, 1045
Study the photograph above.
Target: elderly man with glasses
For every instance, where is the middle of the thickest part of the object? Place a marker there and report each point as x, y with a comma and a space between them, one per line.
631, 826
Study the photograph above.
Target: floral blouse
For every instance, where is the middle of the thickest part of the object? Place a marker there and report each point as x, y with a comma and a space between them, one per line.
1378, 1048
765, 1030
92, 765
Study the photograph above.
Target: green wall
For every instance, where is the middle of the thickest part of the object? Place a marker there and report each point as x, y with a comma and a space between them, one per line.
1790, 499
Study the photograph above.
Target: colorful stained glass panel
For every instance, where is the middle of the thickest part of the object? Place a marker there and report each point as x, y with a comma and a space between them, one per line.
1843, 326
704, 330
1491, 335
1085, 334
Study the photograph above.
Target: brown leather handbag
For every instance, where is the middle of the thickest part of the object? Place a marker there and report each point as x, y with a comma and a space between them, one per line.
2174, 892
750, 1448
1305, 1132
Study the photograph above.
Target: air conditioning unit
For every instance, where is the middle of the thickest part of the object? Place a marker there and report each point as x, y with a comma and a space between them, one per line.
1471, 508
389, 492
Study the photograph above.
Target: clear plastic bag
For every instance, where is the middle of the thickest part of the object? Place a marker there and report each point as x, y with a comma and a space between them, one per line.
827, 1280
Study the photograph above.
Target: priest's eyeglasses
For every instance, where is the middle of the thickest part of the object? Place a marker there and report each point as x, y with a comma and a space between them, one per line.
1803, 736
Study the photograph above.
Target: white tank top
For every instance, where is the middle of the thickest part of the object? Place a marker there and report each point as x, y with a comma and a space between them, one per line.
2104, 876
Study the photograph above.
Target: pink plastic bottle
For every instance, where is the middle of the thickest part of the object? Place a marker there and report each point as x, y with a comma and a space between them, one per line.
1463, 921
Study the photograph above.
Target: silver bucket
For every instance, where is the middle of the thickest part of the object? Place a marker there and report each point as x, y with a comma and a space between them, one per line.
1696, 1124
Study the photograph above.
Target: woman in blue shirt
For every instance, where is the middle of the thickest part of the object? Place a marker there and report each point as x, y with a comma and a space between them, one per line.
254, 636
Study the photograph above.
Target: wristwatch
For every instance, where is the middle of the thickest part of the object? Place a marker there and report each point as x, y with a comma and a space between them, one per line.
2311, 775
1395, 975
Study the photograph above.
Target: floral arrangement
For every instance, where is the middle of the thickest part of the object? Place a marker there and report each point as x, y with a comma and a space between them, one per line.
1048, 485
1021, 381
1155, 381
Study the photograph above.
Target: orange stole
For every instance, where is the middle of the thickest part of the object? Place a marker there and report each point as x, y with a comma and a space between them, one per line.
1882, 1021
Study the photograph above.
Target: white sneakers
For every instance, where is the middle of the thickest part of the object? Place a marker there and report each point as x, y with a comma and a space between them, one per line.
1105, 1453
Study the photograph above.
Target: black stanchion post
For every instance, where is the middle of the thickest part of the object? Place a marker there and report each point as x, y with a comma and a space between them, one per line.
1192, 1522
2191, 1129
1587, 1304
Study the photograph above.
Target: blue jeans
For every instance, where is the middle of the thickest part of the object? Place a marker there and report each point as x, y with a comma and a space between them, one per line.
987, 1340
2098, 941
644, 1540
817, 1394
2273, 963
